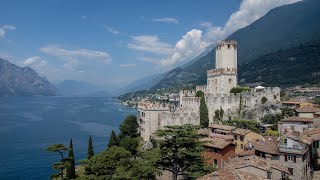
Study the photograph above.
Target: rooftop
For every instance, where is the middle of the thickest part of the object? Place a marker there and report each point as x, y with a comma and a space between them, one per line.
269, 145
241, 131
215, 142
313, 133
308, 109
297, 119
223, 127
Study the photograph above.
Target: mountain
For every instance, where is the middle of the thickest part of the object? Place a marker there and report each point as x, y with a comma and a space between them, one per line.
78, 88
283, 28
23, 81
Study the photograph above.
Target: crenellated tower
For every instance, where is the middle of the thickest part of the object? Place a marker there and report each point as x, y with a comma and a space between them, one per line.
224, 77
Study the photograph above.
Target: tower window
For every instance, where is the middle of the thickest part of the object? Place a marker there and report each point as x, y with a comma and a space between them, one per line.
230, 80
216, 81
228, 46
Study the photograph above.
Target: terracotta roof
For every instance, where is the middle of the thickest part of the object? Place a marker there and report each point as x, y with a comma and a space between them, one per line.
313, 133
221, 136
308, 110
241, 131
215, 142
291, 102
233, 169
297, 119
245, 153
269, 145
220, 126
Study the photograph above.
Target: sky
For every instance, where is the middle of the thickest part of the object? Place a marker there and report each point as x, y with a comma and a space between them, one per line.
112, 43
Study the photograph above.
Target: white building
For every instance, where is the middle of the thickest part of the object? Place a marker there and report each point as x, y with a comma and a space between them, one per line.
217, 95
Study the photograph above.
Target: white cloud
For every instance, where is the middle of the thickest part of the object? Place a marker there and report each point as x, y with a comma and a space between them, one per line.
31, 60
4, 28
112, 30
127, 65
150, 44
190, 46
167, 20
249, 11
76, 57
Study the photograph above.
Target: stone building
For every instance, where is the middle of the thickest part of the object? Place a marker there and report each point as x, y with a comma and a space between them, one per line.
220, 81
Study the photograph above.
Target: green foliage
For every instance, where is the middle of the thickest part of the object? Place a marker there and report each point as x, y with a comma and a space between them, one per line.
264, 100
218, 114
204, 119
245, 124
130, 144
71, 172
272, 133
129, 127
287, 112
239, 89
317, 100
181, 150
110, 164
90, 152
64, 163
113, 141
272, 119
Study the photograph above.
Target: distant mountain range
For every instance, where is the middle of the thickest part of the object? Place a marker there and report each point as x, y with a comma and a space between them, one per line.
272, 50
23, 81
80, 88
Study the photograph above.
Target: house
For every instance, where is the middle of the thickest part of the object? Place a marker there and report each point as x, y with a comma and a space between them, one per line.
244, 136
217, 151
249, 168
264, 146
307, 112
295, 123
314, 133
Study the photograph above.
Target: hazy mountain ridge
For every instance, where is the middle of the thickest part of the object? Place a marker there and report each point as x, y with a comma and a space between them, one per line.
23, 81
80, 88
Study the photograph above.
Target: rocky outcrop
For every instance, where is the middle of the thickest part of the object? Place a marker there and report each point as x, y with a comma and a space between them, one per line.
23, 81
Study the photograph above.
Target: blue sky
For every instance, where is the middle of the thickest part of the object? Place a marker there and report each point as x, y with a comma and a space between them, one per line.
112, 43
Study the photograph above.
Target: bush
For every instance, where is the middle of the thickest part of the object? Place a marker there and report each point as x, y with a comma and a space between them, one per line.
239, 89
245, 124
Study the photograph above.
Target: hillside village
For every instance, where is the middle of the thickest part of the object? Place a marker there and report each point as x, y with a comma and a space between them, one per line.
286, 148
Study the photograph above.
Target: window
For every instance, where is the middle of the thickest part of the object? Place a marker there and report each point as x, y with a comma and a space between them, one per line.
241, 146
215, 150
241, 138
290, 170
285, 141
235, 137
230, 80
290, 157
215, 163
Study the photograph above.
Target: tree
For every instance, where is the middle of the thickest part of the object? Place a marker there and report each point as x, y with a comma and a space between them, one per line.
113, 141
90, 149
71, 172
218, 114
203, 109
239, 89
129, 127
111, 163
181, 151
264, 100
287, 112
146, 166
130, 144
59, 148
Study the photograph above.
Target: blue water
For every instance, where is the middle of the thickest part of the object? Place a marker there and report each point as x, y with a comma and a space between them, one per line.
29, 124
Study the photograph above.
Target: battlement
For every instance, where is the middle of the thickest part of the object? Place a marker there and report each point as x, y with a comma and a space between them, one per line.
187, 93
202, 88
226, 43
221, 71
156, 106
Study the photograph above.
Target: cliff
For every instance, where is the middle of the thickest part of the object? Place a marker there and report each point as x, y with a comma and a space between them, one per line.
23, 81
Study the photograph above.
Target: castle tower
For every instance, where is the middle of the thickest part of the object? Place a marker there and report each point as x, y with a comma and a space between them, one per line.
224, 76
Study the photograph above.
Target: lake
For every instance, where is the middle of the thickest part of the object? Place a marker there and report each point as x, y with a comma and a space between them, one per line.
29, 124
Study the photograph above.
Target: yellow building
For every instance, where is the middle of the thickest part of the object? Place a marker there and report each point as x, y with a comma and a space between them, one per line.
242, 137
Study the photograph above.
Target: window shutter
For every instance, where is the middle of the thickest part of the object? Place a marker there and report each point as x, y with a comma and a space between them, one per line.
285, 158
294, 158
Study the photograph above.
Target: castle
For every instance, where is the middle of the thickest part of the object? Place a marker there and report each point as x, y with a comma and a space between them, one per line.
153, 116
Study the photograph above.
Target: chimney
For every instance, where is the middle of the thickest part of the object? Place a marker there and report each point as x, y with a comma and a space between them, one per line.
215, 175
268, 160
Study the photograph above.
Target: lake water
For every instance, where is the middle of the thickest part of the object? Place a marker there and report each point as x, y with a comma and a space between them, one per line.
29, 124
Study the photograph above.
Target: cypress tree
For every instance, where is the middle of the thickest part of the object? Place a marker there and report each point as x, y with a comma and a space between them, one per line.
113, 141
204, 119
71, 172
90, 149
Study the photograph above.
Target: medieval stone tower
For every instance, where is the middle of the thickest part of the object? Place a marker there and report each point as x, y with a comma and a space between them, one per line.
224, 76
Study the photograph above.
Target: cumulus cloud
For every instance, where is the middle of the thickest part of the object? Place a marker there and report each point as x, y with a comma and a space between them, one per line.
127, 65
151, 44
33, 60
167, 20
5, 28
249, 11
112, 30
190, 46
